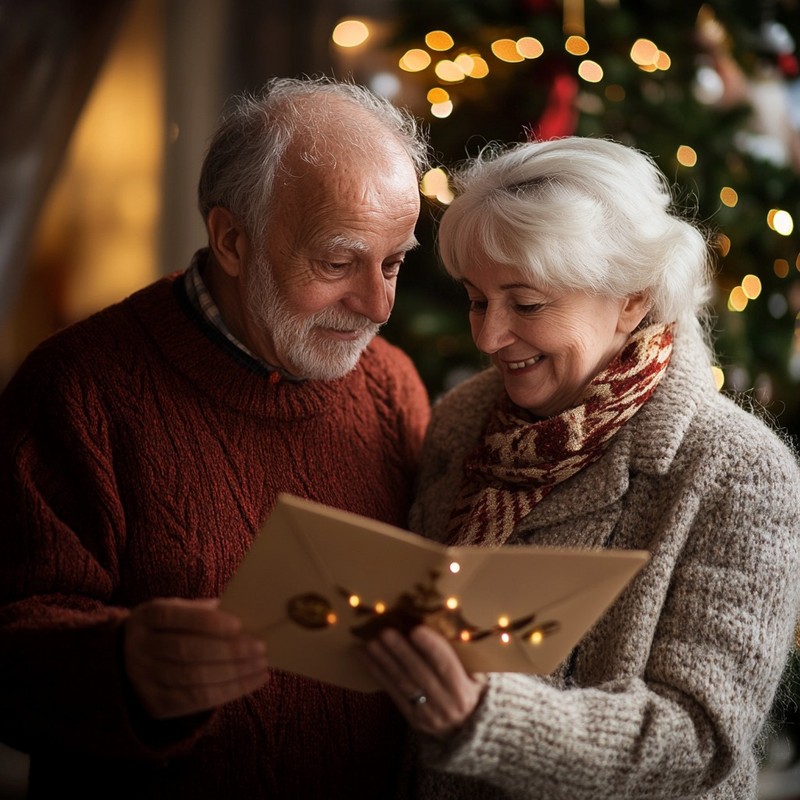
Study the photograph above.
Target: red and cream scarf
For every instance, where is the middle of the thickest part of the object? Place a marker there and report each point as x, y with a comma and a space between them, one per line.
520, 461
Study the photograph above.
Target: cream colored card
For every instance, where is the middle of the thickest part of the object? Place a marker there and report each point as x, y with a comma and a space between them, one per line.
317, 581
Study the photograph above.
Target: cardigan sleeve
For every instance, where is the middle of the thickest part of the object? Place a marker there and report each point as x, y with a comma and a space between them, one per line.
722, 639
63, 539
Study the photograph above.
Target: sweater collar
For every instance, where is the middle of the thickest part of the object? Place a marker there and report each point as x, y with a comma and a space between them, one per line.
218, 369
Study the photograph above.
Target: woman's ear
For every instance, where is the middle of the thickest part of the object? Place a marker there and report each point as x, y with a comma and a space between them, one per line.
634, 310
227, 240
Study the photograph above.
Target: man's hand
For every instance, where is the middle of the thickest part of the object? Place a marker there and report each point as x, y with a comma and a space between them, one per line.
186, 656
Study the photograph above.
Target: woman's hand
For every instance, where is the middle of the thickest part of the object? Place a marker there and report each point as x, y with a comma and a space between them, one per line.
424, 677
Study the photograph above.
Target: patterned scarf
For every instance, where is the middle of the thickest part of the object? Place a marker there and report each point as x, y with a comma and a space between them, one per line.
520, 461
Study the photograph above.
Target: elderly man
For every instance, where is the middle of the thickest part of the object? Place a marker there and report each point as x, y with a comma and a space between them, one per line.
141, 449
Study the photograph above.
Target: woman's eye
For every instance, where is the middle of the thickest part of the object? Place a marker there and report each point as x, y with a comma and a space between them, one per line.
477, 306
525, 308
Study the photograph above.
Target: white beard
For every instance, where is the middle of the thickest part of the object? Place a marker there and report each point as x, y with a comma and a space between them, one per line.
307, 352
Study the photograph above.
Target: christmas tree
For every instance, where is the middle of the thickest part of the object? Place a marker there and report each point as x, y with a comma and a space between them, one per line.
704, 88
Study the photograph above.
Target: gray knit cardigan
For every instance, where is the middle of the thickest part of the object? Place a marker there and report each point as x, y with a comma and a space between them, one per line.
667, 695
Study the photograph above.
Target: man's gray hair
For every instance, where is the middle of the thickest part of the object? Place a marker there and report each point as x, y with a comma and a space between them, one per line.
248, 147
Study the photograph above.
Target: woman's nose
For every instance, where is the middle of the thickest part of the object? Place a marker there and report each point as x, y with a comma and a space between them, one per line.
491, 332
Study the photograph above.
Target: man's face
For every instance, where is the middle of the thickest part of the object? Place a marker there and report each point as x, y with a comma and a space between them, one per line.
323, 282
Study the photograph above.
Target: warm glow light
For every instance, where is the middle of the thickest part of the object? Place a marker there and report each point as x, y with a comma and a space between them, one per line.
452, 603
615, 93
751, 286
536, 637
465, 63
644, 53
506, 50
781, 267
737, 300
380, 607
415, 60
718, 376
438, 95
350, 33
439, 40
354, 600
442, 110
331, 618
729, 196
663, 61
577, 46
503, 621
771, 217
723, 244
447, 70
686, 156
783, 223
480, 69
465, 636
433, 183
590, 71
455, 567
505, 638
528, 47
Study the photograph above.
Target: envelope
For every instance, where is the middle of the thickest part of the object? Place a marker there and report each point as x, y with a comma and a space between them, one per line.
318, 581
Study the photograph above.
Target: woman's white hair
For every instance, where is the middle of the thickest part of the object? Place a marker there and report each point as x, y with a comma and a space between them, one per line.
579, 213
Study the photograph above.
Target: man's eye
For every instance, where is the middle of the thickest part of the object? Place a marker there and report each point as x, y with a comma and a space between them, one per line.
477, 306
524, 308
392, 269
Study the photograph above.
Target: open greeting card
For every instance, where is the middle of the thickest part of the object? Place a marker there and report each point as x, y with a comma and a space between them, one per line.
318, 581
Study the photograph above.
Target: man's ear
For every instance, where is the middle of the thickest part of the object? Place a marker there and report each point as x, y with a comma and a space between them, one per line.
227, 240
634, 310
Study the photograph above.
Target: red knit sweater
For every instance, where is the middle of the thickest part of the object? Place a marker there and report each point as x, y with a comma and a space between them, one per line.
139, 454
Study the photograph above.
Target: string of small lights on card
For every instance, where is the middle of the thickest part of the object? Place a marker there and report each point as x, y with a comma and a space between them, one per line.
422, 604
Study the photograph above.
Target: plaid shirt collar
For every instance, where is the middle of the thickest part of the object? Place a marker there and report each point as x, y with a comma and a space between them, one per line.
203, 302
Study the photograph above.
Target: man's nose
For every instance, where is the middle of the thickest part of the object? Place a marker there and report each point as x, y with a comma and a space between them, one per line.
373, 295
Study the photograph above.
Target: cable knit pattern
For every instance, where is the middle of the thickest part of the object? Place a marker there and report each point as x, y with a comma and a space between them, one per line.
139, 454
666, 696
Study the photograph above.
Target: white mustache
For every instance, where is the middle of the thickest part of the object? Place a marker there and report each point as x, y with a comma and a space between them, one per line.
344, 322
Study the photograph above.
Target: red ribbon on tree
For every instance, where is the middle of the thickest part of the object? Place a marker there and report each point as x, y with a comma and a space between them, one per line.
560, 117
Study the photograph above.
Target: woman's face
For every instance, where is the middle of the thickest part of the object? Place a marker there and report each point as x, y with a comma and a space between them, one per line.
548, 345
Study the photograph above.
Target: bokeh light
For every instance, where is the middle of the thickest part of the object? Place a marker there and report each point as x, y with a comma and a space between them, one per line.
644, 53
528, 47
447, 70
439, 40
751, 286
590, 71
415, 60
687, 156
506, 50
435, 184
737, 299
576, 45
350, 33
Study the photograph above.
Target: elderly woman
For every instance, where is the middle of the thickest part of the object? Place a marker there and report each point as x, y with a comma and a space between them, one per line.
598, 425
